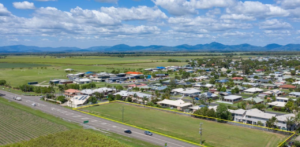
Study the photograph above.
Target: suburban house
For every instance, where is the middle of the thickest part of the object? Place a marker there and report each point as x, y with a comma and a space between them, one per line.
177, 104
77, 100
82, 81
186, 91
294, 94
253, 116
137, 97
274, 92
233, 99
282, 122
256, 100
287, 87
71, 92
102, 90
238, 115
253, 90
237, 78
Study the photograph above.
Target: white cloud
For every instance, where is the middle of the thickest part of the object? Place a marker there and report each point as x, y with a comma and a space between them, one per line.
237, 17
213, 12
257, 9
3, 10
134, 13
24, 5
237, 34
274, 24
289, 4
184, 7
207, 23
107, 1
277, 33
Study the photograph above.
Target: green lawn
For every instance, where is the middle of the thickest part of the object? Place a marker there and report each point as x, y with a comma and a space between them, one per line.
214, 134
26, 123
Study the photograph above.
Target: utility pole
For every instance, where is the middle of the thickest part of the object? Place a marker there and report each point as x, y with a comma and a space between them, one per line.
122, 113
200, 132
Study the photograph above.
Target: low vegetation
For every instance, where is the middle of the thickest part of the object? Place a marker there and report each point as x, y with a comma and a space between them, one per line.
214, 134
71, 138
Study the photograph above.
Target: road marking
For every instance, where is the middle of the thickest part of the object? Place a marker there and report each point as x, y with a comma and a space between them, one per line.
103, 123
85, 118
93, 120
76, 116
114, 126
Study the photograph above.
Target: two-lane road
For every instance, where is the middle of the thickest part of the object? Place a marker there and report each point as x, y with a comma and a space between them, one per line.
102, 124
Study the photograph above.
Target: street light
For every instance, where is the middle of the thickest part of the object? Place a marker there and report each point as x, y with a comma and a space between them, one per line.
200, 132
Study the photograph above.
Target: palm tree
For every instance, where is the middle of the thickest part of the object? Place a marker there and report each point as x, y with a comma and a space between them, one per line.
271, 122
209, 100
289, 122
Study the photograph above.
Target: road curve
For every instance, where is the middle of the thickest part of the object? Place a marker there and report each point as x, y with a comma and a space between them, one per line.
102, 124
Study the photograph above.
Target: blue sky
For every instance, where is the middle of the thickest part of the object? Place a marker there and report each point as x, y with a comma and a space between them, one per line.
86, 23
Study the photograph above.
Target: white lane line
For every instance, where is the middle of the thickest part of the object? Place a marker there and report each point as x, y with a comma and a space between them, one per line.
114, 126
84, 118
76, 116
157, 139
93, 120
103, 123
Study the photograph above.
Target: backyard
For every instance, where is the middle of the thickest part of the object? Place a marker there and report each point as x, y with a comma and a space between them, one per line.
214, 134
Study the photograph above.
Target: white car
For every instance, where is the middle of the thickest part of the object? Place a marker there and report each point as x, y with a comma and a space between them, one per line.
17, 98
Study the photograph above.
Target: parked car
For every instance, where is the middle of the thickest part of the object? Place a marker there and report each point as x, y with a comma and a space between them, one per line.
33, 104
17, 98
148, 133
127, 131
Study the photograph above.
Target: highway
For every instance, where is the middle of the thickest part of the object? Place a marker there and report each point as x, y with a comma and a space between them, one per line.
99, 123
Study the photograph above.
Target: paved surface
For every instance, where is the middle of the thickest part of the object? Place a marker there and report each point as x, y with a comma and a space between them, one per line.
96, 122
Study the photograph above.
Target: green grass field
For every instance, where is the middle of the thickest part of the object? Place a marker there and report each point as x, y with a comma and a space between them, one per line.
17, 125
21, 123
71, 138
20, 65
214, 134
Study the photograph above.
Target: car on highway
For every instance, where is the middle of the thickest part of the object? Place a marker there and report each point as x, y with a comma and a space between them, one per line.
17, 98
148, 133
127, 131
33, 104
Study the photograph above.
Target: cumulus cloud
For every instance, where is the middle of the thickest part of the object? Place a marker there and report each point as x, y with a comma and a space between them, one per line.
184, 7
3, 10
207, 23
289, 4
277, 33
274, 24
237, 34
237, 17
24, 5
134, 13
257, 9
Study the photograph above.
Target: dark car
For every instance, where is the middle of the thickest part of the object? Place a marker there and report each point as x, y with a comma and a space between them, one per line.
127, 131
148, 133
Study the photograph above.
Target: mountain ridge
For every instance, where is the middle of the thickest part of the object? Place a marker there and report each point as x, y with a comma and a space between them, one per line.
214, 46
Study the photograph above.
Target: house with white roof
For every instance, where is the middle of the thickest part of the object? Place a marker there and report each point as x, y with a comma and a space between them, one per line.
282, 121
233, 98
186, 91
82, 81
253, 116
274, 92
137, 97
253, 90
294, 94
238, 115
103, 90
177, 104
77, 100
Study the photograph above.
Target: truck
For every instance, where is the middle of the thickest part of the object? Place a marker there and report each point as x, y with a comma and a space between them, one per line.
17, 98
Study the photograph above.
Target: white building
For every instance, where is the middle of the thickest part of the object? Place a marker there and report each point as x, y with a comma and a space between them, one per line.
186, 91
233, 98
77, 100
82, 81
253, 116
177, 104
253, 90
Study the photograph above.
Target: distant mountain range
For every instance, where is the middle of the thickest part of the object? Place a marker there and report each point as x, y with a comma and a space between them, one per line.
214, 46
